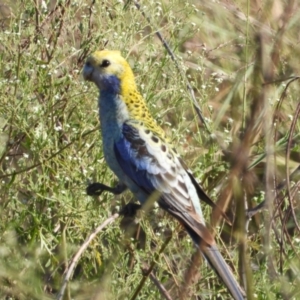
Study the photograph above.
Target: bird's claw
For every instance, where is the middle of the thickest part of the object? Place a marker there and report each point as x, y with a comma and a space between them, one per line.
96, 189
130, 209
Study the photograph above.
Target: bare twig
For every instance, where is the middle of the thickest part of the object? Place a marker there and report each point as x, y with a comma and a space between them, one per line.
179, 69
160, 287
77, 256
253, 211
54, 37
269, 180
150, 269
190, 274
288, 150
50, 157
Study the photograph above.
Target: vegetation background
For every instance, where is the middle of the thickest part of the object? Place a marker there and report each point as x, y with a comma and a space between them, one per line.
242, 60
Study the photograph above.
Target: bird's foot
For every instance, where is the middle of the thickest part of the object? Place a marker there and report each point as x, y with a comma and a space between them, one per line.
130, 209
96, 189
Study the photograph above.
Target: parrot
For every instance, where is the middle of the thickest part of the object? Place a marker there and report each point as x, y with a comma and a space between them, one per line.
138, 152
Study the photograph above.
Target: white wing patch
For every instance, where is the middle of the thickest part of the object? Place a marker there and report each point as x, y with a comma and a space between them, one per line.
169, 176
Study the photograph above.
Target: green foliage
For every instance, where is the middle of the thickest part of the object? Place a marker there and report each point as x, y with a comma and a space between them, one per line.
50, 147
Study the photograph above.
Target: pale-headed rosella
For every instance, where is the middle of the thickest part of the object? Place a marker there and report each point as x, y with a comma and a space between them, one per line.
137, 151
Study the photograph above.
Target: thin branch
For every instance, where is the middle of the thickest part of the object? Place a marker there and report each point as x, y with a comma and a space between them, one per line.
77, 256
253, 211
173, 57
288, 150
50, 157
190, 275
160, 287
150, 269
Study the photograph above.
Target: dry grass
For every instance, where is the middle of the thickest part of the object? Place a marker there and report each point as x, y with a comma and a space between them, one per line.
242, 60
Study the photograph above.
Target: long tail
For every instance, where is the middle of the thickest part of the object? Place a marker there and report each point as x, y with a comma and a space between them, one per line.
217, 262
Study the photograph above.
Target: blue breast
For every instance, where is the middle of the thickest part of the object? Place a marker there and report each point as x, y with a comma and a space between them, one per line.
110, 129
109, 103
110, 84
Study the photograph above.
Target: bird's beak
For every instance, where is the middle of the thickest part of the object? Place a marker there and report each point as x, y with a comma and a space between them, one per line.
88, 71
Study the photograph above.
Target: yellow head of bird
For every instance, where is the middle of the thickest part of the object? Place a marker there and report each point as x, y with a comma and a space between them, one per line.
108, 70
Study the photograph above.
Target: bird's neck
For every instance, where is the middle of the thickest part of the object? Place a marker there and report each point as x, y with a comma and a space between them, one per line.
125, 103
112, 110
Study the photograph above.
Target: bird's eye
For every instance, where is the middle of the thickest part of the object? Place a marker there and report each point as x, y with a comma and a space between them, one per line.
105, 63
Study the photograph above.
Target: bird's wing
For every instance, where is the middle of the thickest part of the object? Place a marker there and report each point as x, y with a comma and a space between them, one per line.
202, 194
154, 166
